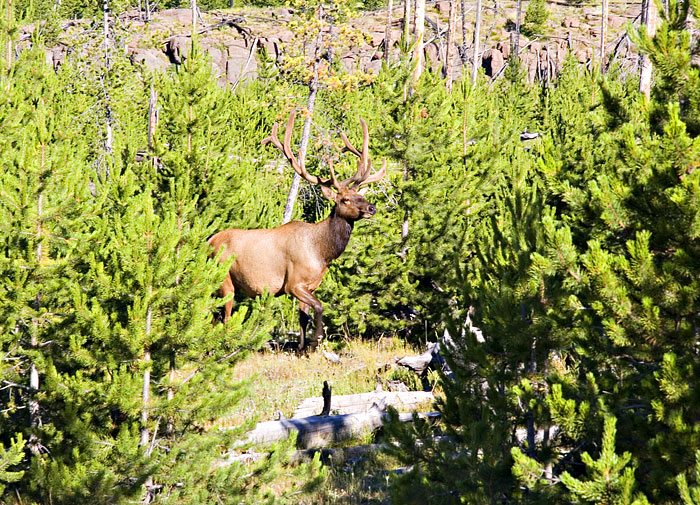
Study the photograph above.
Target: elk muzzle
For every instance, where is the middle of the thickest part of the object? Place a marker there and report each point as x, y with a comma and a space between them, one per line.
369, 211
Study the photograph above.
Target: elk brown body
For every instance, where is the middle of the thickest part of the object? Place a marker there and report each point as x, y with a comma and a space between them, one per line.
293, 258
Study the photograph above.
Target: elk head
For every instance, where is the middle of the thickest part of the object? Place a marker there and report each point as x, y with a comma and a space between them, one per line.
348, 195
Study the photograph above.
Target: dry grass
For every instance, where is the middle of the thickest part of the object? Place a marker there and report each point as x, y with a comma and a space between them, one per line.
280, 381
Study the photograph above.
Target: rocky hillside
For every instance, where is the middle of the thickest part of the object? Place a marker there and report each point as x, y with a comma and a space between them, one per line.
232, 38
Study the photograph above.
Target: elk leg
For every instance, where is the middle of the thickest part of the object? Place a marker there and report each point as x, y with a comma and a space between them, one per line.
225, 290
304, 319
306, 297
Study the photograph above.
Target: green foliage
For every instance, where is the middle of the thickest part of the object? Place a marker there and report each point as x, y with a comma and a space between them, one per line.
561, 274
107, 287
610, 480
690, 494
421, 225
677, 76
583, 292
536, 17
9, 458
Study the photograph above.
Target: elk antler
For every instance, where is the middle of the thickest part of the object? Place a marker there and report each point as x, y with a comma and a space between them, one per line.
296, 165
364, 164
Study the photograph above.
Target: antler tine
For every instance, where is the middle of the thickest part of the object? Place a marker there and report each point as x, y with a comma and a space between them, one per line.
376, 176
287, 150
363, 164
348, 145
334, 181
273, 138
298, 167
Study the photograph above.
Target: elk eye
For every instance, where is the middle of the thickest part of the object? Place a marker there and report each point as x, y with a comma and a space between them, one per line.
345, 200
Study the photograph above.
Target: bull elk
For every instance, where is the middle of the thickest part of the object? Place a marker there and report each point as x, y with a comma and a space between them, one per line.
293, 258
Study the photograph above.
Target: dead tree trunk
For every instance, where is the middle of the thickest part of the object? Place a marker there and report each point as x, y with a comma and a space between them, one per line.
317, 431
9, 35
34, 443
306, 131
477, 31
649, 19
152, 125
362, 402
109, 136
463, 49
387, 31
449, 54
603, 34
193, 7
515, 49
406, 19
419, 32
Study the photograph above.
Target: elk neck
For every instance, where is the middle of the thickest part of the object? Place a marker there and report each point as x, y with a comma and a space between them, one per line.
336, 232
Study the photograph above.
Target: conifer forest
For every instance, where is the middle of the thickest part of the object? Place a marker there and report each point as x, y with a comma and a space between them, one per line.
538, 231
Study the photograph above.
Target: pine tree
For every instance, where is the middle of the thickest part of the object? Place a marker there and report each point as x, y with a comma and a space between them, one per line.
9, 458
677, 77
44, 202
632, 281
610, 480
535, 18
690, 494
144, 344
394, 274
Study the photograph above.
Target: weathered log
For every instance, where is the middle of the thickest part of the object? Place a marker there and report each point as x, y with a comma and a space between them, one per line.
361, 402
316, 431
341, 455
334, 455
332, 357
421, 362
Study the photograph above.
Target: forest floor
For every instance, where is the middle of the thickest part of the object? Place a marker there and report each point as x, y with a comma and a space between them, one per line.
280, 381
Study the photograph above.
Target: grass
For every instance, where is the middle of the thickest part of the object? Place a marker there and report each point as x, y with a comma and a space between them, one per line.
280, 381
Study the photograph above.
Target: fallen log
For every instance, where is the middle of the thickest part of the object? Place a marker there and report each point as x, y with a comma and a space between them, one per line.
342, 455
334, 455
421, 362
318, 431
361, 402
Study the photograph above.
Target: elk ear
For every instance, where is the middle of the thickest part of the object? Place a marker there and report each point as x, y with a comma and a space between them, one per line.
329, 193
363, 191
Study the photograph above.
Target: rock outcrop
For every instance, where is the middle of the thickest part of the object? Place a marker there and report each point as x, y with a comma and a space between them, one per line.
232, 40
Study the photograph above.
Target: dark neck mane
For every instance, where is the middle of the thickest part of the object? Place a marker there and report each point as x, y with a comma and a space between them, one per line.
337, 232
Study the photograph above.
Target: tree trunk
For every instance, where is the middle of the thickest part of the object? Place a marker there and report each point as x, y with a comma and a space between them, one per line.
152, 125
649, 19
603, 34
193, 6
477, 33
145, 402
109, 135
34, 442
331, 22
406, 19
305, 133
9, 35
406, 218
515, 46
419, 31
317, 431
145, 395
463, 51
387, 31
449, 56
